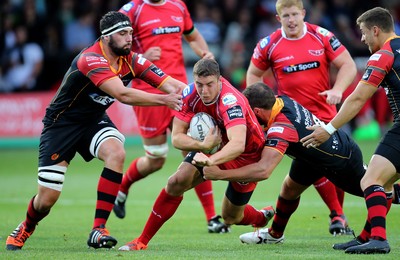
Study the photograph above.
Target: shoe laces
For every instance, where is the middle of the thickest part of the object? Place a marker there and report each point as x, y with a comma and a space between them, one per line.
20, 234
136, 244
338, 218
102, 230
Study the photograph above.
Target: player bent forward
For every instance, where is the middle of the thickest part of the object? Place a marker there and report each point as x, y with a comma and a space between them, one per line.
339, 159
242, 140
76, 121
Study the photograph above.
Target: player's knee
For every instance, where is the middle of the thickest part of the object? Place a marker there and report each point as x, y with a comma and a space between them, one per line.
367, 181
175, 186
52, 177
43, 203
112, 150
155, 164
117, 156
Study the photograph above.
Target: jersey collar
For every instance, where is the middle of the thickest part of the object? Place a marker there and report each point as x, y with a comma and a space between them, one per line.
304, 32
105, 56
276, 109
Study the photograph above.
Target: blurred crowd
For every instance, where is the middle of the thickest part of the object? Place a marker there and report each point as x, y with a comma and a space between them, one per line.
39, 38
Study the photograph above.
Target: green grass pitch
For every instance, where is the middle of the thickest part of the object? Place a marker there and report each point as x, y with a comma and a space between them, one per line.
63, 234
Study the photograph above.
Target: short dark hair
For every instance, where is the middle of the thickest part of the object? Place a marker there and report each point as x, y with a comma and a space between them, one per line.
260, 95
206, 67
377, 16
111, 18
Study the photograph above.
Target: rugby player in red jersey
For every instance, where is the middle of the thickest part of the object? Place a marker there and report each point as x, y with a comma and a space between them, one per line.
242, 144
76, 122
158, 29
300, 55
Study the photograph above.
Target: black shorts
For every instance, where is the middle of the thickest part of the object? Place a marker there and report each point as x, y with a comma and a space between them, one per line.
389, 146
61, 142
347, 178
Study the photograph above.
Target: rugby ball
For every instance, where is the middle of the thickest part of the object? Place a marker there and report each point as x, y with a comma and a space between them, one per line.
200, 125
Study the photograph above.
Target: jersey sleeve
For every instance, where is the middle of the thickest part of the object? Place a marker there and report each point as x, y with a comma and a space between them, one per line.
233, 110
145, 70
260, 54
95, 67
280, 134
186, 113
378, 66
188, 22
333, 47
129, 9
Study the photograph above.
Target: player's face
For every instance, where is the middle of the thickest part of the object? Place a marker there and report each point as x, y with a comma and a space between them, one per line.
262, 115
208, 88
121, 42
292, 20
368, 37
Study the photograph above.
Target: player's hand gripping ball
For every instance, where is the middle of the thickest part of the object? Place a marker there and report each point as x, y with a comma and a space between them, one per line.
200, 125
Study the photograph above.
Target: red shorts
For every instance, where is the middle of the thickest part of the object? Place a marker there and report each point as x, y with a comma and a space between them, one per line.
154, 120
237, 163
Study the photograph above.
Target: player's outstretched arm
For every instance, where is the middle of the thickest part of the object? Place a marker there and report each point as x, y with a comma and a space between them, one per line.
135, 97
172, 85
350, 108
254, 172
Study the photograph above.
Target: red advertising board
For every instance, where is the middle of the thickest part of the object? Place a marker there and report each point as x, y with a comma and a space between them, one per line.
21, 115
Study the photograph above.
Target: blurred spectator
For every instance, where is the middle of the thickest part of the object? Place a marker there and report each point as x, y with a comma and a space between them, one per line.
235, 72
207, 21
238, 33
207, 27
80, 32
348, 36
34, 23
22, 64
318, 15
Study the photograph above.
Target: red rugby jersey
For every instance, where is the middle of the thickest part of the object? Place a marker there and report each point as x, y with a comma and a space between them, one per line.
301, 66
230, 109
160, 25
